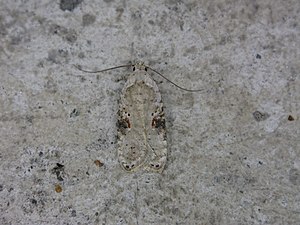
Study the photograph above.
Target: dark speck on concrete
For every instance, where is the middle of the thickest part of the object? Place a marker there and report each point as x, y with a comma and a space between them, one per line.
57, 56
33, 201
259, 116
88, 19
71, 36
59, 171
59, 165
69, 4
73, 213
74, 113
258, 56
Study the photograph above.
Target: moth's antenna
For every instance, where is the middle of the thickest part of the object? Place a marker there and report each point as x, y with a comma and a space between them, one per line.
99, 71
129, 65
172, 81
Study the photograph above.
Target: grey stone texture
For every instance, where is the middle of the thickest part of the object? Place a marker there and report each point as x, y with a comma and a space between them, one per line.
233, 149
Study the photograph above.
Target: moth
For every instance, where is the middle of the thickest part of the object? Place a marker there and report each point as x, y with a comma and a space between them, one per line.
142, 141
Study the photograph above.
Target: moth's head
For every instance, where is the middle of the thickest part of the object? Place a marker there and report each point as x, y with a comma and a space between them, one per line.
139, 66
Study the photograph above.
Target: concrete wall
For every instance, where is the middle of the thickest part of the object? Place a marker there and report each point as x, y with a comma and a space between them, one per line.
233, 149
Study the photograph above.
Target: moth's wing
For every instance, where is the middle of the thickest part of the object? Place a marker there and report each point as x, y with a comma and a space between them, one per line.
156, 132
132, 149
157, 141
141, 133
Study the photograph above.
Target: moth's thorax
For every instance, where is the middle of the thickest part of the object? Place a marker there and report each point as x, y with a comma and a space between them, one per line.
139, 72
139, 66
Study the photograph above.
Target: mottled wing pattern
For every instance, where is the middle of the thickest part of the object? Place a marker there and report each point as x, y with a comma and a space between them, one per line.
141, 125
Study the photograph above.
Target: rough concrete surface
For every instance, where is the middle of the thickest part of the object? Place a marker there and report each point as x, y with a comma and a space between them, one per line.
233, 149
